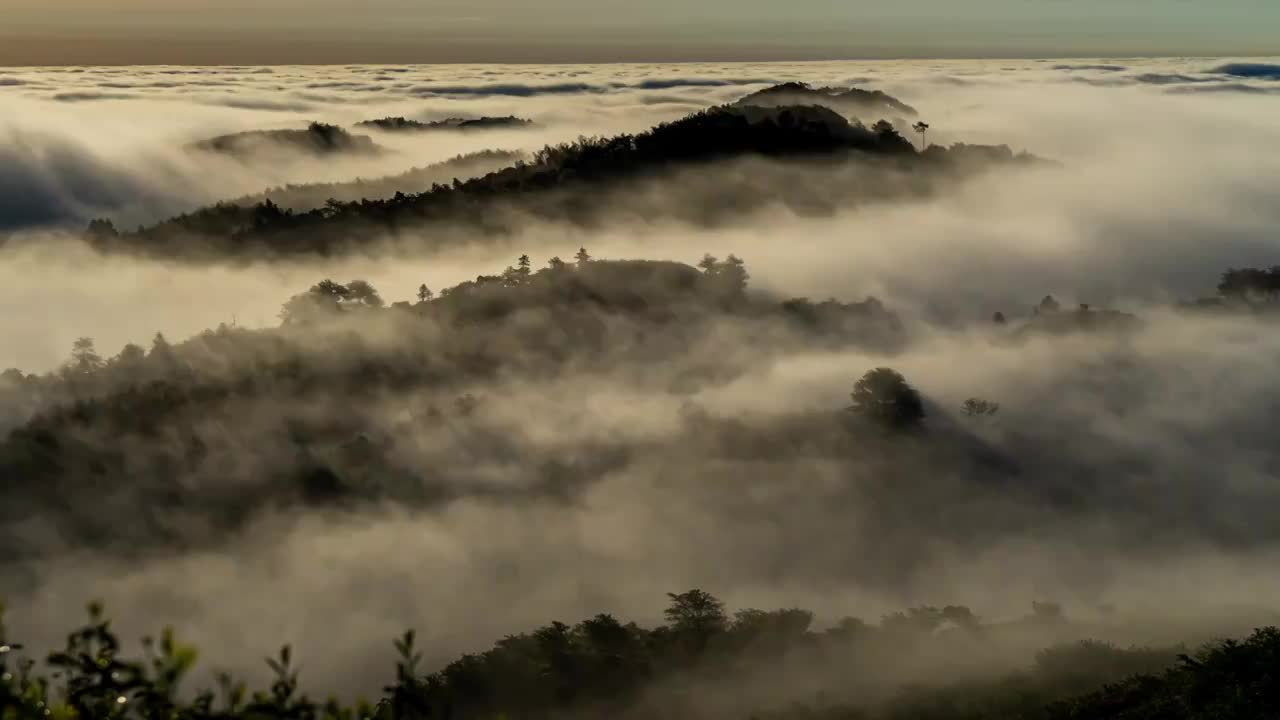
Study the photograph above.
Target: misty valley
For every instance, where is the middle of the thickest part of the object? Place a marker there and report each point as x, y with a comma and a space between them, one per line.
899, 390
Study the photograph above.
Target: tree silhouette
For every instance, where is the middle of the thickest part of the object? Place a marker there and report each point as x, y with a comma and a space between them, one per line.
735, 272
102, 229
695, 611
330, 289
1250, 285
361, 292
424, 293
922, 127
131, 356
694, 617
884, 396
84, 357
160, 346
582, 257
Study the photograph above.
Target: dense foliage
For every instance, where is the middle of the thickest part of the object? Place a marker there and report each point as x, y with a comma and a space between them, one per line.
1247, 290
703, 662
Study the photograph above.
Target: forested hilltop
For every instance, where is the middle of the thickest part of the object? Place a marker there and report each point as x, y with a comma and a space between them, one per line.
701, 663
811, 159
233, 415
353, 401
854, 102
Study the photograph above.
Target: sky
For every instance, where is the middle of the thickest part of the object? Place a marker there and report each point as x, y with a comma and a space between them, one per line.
83, 32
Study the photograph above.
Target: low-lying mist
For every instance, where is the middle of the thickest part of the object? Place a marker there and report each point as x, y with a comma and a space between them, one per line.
584, 438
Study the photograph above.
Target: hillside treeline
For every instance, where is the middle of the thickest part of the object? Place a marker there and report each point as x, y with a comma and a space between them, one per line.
818, 161
702, 662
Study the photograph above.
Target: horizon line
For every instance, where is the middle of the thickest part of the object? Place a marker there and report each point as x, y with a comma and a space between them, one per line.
740, 61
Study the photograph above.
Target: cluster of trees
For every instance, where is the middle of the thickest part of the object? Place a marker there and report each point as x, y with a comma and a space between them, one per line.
151, 418
602, 667
723, 280
86, 369
1251, 285
327, 297
1247, 290
884, 396
1048, 317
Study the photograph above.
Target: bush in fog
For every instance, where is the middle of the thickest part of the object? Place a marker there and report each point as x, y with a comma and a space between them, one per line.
885, 397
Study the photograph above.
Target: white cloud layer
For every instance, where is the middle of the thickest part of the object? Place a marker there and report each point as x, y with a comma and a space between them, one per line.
1167, 179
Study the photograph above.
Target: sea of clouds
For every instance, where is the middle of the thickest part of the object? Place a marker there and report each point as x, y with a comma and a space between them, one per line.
1165, 179
1165, 182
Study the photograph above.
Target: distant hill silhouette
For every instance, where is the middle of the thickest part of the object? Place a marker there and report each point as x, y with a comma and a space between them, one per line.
400, 124
868, 104
594, 180
310, 196
317, 139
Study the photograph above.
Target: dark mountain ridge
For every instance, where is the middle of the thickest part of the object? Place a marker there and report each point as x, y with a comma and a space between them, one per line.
820, 162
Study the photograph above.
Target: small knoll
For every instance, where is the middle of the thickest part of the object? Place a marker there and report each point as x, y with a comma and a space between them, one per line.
400, 124
854, 101
316, 139
1049, 318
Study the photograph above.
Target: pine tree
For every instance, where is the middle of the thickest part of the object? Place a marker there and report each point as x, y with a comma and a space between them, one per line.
735, 272
84, 357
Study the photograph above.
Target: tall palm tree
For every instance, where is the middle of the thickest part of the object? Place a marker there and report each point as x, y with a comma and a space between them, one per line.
922, 127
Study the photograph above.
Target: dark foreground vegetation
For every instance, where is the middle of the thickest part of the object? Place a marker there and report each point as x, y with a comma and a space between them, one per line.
400, 124
809, 159
701, 663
